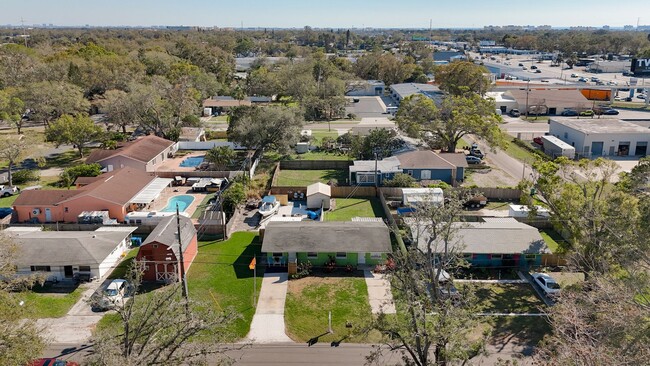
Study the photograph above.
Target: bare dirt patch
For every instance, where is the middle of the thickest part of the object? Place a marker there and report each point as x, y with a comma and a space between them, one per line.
296, 286
494, 177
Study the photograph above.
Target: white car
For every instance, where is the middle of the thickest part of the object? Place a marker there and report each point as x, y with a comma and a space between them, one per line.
547, 283
113, 296
6, 191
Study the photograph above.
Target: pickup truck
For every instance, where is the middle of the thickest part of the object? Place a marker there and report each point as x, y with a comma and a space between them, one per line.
6, 191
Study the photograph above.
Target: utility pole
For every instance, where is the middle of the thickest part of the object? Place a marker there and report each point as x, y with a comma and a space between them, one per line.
527, 90
182, 262
376, 178
22, 21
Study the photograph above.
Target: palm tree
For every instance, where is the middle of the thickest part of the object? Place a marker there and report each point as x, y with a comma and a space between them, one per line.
221, 157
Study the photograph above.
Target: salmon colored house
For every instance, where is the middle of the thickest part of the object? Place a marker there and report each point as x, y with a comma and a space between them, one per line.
145, 154
160, 252
118, 192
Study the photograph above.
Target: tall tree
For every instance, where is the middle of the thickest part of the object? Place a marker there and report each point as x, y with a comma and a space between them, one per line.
119, 110
11, 109
78, 130
435, 326
457, 116
263, 128
462, 78
221, 156
50, 100
14, 149
20, 338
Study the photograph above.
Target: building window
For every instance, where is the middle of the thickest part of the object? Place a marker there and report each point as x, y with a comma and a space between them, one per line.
341, 255
496, 256
365, 178
277, 254
84, 268
154, 246
409, 172
531, 256
566, 135
312, 255
65, 209
40, 268
375, 255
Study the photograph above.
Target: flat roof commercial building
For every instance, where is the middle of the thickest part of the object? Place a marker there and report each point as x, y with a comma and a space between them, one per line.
594, 138
401, 91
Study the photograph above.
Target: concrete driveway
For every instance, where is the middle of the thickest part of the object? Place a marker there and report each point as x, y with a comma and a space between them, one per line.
268, 322
380, 296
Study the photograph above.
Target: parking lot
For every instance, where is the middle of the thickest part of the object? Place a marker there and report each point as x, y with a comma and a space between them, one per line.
368, 107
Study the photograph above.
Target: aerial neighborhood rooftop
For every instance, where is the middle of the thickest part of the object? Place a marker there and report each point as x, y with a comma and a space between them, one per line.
281, 187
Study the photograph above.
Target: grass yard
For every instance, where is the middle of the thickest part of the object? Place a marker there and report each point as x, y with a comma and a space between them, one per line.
499, 206
347, 208
520, 153
303, 178
40, 303
202, 206
320, 155
318, 135
220, 276
521, 331
120, 269
508, 298
311, 298
551, 238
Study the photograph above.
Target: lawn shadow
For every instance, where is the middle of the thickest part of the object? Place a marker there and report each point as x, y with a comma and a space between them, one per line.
241, 264
523, 332
312, 341
62, 287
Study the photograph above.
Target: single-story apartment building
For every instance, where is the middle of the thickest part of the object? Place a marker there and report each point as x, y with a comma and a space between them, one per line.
160, 251
348, 242
218, 104
540, 101
401, 91
145, 153
503, 242
118, 192
595, 137
423, 165
60, 255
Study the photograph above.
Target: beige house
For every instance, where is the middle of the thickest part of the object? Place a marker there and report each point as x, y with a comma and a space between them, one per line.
145, 154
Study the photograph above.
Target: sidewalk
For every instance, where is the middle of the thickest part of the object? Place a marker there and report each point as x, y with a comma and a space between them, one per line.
380, 296
268, 322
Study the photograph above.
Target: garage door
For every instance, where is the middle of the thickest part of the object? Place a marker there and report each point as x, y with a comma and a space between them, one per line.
596, 148
641, 149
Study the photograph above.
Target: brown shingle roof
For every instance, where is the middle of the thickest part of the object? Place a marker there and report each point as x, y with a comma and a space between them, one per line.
84, 181
44, 197
118, 186
143, 149
427, 159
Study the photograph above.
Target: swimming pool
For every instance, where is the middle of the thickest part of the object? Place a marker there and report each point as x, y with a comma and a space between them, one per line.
183, 201
192, 161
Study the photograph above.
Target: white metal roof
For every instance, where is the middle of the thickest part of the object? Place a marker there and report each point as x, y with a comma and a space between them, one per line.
151, 191
319, 187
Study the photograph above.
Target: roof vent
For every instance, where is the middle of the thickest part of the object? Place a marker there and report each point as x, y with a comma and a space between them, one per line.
94, 236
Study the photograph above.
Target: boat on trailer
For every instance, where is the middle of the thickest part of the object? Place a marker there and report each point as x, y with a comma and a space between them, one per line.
270, 205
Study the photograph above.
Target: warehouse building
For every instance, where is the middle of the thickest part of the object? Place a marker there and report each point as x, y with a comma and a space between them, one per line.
540, 101
594, 138
401, 91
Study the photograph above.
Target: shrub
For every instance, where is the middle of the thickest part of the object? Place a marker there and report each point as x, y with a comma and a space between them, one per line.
82, 170
400, 180
214, 135
25, 175
527, 146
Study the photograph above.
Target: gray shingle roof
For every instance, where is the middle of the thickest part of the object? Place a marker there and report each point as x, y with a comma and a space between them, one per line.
490, 238
166, 232
326, 237
85, 248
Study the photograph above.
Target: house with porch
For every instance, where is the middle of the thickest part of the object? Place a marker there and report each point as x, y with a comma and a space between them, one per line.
60, 255
348, 242
422, 165
160, 251
497, 242
146, 154
118, 192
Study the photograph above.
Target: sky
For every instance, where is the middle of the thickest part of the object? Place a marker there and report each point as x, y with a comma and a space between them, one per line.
325, 14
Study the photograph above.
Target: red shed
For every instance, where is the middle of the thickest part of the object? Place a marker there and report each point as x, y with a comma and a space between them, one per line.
160, 252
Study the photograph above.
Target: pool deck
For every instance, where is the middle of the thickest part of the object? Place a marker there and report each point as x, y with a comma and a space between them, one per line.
174, 164
161, 202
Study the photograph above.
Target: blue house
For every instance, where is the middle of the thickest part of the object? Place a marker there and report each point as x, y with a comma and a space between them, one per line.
502, 242
423, 165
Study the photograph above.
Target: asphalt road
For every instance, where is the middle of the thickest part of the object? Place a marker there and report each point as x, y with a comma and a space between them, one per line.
347, 354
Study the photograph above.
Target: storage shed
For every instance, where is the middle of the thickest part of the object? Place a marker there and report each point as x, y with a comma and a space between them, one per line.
319, 194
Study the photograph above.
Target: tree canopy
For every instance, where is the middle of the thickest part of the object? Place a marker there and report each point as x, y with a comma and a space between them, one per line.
78, 130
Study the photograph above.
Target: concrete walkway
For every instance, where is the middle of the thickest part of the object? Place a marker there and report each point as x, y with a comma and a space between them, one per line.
268, 322
379, 293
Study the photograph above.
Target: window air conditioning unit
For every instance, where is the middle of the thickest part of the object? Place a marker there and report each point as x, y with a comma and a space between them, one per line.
36, 211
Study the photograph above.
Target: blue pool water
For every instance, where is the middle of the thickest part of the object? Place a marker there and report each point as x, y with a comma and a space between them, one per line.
192, 161
183, 202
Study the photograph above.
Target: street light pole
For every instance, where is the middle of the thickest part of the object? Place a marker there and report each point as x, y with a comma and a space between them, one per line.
527, 90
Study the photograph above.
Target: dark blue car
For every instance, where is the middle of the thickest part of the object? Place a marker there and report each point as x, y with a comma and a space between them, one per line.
569, 113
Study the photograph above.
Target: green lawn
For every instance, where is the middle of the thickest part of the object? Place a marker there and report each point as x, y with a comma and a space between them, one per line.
500, 206
220, 276
508, 298
303, 178
518, 330
318, 135
120, 270
551, 238
199, 210
320, 155
310, 299
347, 208
520, 153
42, 304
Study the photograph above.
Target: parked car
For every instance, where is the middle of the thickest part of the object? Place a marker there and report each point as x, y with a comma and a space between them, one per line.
587, 113
569, 113
538, 140
595, 79
51, 362
6, 191
520, 64
574, 75
473, 159
114, 295
640, 96
627, 73
611, 82
524, 68
547, 283
515, 113
610, 112
538, 71
618, 99
583, 80
477, 153
533, 67
628, 99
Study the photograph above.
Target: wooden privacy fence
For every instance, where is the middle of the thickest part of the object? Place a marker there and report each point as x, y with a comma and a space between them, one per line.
337, 192
315, 164
553, 260
499, 194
